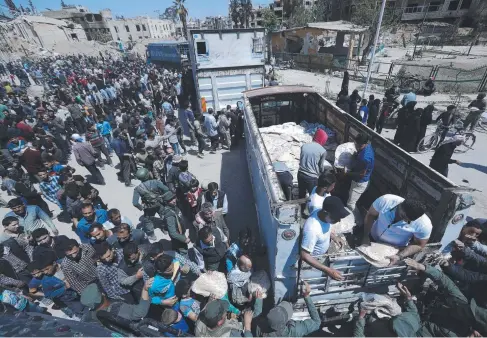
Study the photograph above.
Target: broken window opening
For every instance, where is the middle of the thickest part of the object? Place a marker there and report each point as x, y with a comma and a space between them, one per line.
201, 48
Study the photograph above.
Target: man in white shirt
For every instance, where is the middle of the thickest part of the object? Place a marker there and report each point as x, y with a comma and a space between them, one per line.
317, 234
326, 184
399, 222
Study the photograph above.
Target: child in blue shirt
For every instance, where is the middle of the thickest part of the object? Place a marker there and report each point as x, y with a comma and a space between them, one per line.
162, 291
174, 320
48, 281
189, 307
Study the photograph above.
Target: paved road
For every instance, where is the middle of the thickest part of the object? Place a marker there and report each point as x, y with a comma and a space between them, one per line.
227, 168
471, 173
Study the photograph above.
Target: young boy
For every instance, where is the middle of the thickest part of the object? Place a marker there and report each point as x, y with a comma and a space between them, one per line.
189, 307
162, 291
48, 281
168, 270
174, 320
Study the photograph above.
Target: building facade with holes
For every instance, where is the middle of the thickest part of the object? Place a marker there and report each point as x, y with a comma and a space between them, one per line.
226, 63
95, 25
133, 29
442, 10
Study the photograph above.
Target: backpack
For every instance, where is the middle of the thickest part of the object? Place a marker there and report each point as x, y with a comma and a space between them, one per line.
185, 179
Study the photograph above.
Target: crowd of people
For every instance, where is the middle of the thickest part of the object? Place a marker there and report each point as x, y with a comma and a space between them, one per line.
95, 110
208, 281
412, 122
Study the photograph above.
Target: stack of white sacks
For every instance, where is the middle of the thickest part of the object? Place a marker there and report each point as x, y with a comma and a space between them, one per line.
283, 142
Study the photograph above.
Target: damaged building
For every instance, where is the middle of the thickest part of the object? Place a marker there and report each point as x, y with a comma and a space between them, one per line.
95, 25
334, 41
41, 31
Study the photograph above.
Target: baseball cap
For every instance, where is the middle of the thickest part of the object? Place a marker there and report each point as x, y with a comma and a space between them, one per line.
91, 296
335, 208
213, 312
280, 315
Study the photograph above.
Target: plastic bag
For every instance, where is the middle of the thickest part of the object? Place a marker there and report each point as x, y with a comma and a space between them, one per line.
344, 155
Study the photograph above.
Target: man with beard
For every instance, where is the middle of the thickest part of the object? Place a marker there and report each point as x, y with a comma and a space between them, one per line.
115, 218
79, 265
98, 234
124, 234
12, 229
46, 242
109, 273
209, 217
90, 216
30, 217
132, 266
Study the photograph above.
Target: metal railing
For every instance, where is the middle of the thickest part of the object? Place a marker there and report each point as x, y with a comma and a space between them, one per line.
448, 79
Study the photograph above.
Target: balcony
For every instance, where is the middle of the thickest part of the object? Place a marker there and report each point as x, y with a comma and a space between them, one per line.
430, 12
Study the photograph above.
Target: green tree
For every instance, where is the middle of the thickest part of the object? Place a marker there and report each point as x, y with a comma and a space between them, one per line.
301, 16
241, 12
271, 24
63, 4
183, 15
170, 13
270, 19
366, 13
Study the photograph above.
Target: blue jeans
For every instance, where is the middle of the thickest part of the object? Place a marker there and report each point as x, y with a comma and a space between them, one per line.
32, 307
107, 139
175, 147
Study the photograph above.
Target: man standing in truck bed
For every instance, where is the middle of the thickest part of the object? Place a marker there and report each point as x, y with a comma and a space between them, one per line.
312, 163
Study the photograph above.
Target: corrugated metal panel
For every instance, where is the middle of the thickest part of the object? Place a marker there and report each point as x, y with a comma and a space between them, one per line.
230, 88
256, 81
206, 91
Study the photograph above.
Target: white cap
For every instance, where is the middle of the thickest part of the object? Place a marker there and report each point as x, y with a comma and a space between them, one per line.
76, 137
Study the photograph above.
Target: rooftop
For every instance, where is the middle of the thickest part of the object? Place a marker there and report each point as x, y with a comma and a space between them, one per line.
41, 19
337, 26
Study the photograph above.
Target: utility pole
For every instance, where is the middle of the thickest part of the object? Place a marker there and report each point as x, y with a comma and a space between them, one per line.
377, 34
